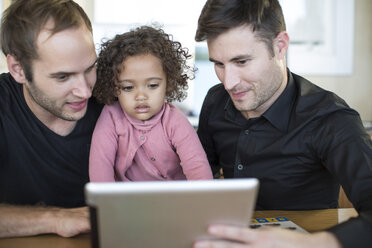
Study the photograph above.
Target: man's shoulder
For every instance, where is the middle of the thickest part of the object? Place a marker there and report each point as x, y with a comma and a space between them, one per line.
317, 101
7, 84
217, 89
216, 95
307, 88
322, 109
5, 77
10, 92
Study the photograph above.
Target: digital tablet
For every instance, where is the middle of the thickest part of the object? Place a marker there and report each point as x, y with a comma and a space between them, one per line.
166, 214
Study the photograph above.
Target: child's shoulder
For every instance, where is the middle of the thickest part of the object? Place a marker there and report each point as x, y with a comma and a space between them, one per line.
113, 107
175, 121
113, 110
172, 110
174, 115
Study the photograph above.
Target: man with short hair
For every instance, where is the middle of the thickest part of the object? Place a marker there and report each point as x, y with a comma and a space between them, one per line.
264, 121
46, 117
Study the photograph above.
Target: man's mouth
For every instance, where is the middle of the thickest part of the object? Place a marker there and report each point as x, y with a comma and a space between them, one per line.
77, 106
239, 95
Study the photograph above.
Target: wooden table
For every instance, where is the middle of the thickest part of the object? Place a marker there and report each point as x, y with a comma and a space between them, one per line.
312, 221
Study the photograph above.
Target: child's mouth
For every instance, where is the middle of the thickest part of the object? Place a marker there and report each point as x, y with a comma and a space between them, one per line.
142, 109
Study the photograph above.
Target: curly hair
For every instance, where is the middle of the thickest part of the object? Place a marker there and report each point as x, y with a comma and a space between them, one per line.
139, 41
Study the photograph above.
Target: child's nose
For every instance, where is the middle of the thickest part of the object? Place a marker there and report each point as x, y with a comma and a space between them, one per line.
141, 96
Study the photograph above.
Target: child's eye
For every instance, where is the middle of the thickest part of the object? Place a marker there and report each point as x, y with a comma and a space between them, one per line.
127, 88
153, 85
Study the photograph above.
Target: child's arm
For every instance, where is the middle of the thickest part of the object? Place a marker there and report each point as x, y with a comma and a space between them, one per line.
103, 149
183, 136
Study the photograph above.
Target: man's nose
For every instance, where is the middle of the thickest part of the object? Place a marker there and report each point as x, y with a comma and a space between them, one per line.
82, 89
230, 78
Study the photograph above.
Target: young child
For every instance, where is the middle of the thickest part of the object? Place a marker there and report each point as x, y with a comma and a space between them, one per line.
140, 136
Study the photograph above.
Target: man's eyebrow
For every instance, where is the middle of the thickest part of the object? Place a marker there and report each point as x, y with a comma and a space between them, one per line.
236, 58
93, 65
60, 73
65, 73
240, 57
213, 60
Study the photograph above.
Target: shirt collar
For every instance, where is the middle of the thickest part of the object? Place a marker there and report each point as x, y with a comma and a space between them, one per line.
279, 112
232, 114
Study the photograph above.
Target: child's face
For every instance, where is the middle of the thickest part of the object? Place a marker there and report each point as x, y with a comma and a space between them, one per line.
143, 85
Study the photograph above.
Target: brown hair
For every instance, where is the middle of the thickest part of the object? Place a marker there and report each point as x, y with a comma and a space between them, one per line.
265, 17
142, 40
23, 20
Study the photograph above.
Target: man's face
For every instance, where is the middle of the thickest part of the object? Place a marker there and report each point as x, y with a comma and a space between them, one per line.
63, 75
253, 77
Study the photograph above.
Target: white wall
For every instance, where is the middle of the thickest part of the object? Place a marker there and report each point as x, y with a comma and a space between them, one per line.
356, 89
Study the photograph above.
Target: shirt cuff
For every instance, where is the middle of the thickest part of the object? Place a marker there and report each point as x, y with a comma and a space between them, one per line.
355, 232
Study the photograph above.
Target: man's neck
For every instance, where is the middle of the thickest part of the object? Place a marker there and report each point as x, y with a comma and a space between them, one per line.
57, 125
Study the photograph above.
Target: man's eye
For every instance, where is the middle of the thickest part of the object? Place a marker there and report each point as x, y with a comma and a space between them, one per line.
91, 68
127, 88
242, 62
217, 64
62, 78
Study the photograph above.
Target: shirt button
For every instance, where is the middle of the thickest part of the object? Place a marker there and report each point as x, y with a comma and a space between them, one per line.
240, 167
153, 159
142, 137
246, 131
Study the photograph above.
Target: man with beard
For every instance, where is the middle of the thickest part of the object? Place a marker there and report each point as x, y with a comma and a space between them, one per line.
264, 121
46, 117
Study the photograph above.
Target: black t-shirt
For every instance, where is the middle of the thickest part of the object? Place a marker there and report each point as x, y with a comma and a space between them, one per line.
37, 166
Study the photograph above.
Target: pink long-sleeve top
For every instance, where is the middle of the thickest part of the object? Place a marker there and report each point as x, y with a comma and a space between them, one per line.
166, 147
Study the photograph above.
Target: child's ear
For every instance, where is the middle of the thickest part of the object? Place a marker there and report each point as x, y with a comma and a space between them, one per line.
15, 69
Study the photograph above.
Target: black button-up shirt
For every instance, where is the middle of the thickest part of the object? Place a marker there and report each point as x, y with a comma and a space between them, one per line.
306, 144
